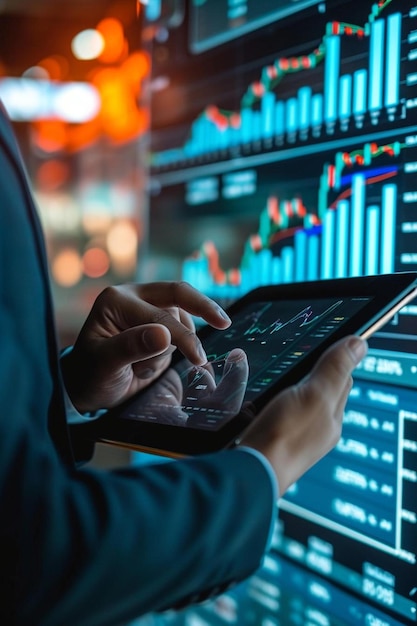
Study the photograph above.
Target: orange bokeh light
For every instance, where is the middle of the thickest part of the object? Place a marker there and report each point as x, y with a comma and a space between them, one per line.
67, 268
120, 117
96, 262
52, 174
82, 135
136, 68
56, 66
114, 40
50, 135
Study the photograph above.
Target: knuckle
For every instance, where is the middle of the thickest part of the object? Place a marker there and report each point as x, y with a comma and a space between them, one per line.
162, 316
312, 394
335, 431
178, 287
130, 344
109, 292
106, 296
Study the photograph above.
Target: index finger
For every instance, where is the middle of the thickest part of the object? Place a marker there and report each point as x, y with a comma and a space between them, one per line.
165, 294
157, 303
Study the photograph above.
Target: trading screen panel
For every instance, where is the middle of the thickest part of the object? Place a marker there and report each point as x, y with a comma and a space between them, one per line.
284, 149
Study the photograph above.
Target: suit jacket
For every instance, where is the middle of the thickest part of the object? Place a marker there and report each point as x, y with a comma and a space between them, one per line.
85, 547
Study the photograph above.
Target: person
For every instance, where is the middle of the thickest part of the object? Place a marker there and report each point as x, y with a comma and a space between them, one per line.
84, 546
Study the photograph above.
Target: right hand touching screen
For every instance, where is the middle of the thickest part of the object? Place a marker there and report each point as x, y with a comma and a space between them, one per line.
193, 393
304, 422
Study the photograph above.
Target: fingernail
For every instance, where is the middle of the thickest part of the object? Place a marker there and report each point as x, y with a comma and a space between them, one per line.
358, 347
224, 314
202, 353
150, 341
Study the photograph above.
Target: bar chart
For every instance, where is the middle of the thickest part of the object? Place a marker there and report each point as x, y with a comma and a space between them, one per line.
349, 234
269, 112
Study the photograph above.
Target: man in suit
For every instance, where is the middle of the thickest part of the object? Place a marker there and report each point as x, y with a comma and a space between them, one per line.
86, 547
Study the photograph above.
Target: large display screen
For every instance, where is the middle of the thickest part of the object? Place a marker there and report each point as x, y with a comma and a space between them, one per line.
284, 149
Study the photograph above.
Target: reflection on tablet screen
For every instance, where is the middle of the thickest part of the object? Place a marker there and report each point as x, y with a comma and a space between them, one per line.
265, 341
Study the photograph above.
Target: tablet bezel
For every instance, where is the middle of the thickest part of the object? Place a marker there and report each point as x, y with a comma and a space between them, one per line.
387, 292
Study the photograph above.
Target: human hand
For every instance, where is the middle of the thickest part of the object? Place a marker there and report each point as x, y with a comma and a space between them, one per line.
129, 337
193, 396
304, 422
208, 401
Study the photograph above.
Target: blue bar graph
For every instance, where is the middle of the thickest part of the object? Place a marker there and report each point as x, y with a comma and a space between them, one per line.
300, 243
360, 81
313, 257
392, 61
292, 115
264, 258
342, 235
376, 65
256, 126
331, 78
246, 124
372, 241
268, 109
279, 118
357, 225
341, 96
328, 245
304, 100
354, 239
287, 258
276, 271
317, 108
389, 214
345, 105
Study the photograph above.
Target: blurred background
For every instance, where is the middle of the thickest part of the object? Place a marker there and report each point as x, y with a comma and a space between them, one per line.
72, 78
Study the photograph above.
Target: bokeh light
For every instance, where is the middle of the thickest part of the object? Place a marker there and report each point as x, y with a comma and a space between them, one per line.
122, 244
52, 174
77, 102
67, 267
36, 72
112, 33
56, 66
96, 222
136, 68
50, 135
96, 262
87, 45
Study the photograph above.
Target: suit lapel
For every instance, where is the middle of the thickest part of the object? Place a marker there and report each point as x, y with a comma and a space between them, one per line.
10, 145
57, 428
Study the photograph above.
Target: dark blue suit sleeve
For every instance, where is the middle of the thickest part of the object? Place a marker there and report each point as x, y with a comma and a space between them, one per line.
98, 548
90, 547
80, 546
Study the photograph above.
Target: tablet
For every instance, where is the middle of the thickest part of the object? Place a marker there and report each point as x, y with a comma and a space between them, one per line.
277, 334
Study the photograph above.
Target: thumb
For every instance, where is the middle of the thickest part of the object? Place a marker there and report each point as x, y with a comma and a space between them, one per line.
136, 344
338, 362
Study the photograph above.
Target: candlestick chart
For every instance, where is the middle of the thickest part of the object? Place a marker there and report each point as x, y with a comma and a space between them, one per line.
349, 231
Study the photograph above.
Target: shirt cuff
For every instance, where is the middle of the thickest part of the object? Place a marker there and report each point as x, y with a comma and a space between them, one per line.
73, 416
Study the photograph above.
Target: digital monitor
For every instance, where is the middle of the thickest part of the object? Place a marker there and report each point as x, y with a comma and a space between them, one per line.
284, 149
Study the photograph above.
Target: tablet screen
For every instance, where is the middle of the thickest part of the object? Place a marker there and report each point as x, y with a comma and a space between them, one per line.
275, 336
